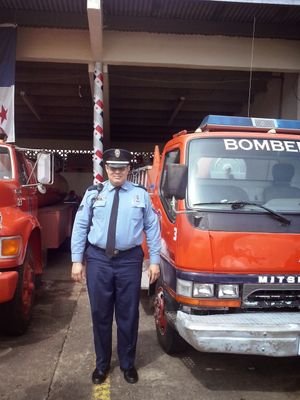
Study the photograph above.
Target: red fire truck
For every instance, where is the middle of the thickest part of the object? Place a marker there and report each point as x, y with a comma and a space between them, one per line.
228, 196
33, 218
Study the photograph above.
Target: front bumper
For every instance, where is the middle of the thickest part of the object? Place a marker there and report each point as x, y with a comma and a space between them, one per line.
274, 334
8, 284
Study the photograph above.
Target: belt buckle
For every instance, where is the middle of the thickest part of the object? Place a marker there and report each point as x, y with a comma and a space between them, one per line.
116, 252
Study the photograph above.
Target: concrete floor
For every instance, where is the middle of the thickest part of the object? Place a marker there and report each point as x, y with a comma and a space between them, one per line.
55, 358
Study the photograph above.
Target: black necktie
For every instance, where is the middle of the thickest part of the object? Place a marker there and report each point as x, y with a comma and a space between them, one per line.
111, 233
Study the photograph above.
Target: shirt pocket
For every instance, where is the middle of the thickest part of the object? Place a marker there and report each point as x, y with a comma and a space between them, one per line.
99, 209
137, 210
100, 203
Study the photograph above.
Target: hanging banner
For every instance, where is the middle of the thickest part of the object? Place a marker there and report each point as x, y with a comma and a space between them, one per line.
8, 36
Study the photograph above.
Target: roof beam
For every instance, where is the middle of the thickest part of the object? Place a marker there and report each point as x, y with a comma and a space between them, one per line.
35, 44
195, 51
140, 49
95, 19
232, 85
172, 94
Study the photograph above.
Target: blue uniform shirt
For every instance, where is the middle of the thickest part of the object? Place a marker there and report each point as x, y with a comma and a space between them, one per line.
135, 216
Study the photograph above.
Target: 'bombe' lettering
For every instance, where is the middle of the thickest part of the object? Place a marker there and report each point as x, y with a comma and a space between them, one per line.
291, 146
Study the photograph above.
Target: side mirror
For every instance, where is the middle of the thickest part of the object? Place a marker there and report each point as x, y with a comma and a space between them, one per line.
175, 181
45, 168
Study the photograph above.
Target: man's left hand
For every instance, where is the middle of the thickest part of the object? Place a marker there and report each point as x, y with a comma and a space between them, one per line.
153, 272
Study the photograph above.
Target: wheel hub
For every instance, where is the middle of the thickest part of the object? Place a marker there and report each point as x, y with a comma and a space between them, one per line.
159, 311
28, 287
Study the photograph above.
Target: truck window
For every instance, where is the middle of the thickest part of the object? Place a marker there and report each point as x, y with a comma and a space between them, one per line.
5, 164
171, 157
264, 171
22, 170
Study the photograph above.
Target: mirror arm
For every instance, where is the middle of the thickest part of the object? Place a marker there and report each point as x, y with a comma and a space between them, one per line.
40, 187
30, 185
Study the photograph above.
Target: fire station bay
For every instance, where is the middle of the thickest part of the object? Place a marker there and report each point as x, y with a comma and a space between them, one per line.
205, 97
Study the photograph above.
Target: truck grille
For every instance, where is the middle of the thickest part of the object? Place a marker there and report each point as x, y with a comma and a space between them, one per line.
271, 296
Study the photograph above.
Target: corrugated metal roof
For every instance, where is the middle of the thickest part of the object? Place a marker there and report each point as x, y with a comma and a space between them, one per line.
66, 6
197, 9
204, 17
70, 14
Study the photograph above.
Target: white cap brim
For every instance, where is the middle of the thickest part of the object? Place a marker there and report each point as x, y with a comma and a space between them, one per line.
117, 164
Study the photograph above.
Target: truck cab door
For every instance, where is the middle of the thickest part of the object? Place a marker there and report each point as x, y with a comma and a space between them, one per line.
168, 220
26, 195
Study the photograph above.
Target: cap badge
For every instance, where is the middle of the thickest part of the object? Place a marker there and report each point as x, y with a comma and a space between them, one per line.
117, 153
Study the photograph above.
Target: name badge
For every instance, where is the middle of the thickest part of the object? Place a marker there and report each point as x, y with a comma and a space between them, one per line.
100, 201
136, 201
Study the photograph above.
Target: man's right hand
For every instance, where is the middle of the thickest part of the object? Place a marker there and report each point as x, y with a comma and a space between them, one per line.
78, 272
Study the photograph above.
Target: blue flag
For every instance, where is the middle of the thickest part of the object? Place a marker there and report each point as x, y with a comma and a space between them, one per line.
8, 41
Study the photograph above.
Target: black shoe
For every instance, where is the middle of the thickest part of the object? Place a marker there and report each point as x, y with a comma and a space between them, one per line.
131, 375
99, 377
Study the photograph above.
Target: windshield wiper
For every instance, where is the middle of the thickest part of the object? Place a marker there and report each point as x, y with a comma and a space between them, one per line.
213, 203
240, 204
235, 205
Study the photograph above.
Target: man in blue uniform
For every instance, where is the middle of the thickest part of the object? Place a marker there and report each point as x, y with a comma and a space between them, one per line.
111, 221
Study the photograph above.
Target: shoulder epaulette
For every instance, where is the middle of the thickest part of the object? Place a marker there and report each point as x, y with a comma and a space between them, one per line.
97, 187
140, 186
93, 187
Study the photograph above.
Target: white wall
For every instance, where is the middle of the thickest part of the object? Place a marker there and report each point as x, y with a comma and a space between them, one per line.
267, 104
280, 99
291, 99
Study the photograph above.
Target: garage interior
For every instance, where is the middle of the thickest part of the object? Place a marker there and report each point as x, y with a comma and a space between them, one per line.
54, 100
146, 104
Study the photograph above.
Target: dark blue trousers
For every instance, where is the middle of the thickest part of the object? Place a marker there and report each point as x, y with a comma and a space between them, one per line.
114, 285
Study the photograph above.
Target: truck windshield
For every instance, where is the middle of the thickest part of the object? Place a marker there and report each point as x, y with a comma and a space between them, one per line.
250, 170
5, 164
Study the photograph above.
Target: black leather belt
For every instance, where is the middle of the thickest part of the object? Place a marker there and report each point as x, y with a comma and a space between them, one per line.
116, 251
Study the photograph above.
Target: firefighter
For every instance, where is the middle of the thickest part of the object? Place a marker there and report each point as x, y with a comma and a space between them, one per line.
112, 220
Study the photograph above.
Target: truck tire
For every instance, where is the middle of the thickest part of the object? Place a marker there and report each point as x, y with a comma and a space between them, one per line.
167, 336
18, 311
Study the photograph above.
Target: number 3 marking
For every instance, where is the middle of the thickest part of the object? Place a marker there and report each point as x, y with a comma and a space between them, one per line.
175, 234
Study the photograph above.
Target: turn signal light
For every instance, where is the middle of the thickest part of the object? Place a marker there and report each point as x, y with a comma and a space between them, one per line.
10, 247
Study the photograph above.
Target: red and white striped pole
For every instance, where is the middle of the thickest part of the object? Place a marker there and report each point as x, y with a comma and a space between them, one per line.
98, 124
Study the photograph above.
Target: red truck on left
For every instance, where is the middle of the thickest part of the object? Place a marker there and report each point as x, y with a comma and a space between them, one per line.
33, 218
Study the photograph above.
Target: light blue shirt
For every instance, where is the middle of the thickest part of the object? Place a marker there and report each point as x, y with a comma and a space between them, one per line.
135, 216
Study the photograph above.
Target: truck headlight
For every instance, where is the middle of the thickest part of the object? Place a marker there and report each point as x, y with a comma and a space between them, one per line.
10, 246
203, 290
184, 288
228, 291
